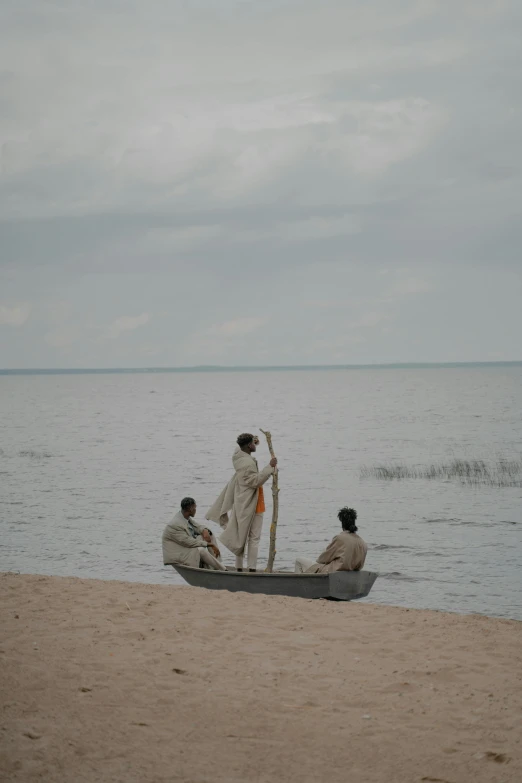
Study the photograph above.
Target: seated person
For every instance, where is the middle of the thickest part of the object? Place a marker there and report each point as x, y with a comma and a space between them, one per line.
346, 551
186, 543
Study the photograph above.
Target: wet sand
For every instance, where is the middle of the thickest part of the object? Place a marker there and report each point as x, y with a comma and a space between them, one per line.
113, 681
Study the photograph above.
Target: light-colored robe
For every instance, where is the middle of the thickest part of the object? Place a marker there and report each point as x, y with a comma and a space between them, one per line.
178, 544
345, 552
240, 498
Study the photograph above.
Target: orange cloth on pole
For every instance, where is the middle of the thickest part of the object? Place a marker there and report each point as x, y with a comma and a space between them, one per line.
260, 508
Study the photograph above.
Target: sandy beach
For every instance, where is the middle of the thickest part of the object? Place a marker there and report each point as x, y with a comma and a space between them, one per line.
114, 681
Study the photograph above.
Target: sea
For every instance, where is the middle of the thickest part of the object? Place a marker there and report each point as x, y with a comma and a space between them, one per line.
93, 465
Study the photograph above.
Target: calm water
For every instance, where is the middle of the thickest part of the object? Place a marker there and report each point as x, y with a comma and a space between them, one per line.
93, 466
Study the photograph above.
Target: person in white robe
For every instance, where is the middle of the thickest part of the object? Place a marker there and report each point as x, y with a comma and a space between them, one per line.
346, 552
185, 542
240, 506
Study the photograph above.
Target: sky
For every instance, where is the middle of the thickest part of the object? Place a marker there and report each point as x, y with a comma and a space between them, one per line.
247, 183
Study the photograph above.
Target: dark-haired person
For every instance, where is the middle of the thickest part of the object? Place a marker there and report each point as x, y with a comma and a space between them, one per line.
243, 497
345, 552
186, 543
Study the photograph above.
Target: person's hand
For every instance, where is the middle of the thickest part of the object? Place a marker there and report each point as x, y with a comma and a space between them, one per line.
215, 551
273, 462
206, 536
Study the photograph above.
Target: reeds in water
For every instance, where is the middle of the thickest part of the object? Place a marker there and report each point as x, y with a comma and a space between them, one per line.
502, 472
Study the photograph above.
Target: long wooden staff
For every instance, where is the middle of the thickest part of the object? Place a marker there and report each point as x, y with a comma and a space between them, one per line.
275, 511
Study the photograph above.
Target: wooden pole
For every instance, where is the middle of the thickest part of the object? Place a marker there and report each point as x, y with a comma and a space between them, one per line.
275, 511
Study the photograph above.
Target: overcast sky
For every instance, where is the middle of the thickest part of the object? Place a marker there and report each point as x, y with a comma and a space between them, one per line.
276, 182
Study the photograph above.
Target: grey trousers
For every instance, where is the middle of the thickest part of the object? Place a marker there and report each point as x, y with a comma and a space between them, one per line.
209, 561
252, 543
302, 564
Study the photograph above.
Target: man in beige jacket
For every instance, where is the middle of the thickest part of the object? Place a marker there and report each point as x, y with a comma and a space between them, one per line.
243, 497
186, 543
346, 551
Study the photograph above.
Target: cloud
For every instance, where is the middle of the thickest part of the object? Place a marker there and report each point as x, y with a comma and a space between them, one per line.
349, 182
16, 314
226, 342
62, 337
410, 286
368, 320
58, 312
144, 115
126, 323
239, 326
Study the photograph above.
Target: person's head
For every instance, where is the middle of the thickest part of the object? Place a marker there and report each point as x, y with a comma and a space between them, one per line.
188, 507
246, 442
347, 517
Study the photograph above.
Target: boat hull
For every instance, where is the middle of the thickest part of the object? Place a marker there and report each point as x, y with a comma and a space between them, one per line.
339, 586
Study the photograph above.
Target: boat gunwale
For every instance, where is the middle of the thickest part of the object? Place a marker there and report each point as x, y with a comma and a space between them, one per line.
254, 574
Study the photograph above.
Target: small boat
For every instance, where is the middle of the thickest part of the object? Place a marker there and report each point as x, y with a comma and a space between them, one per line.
338, 586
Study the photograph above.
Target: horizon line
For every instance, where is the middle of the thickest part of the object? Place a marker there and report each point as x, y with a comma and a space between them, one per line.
248, 368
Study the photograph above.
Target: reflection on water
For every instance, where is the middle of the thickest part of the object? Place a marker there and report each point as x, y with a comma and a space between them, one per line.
92, 468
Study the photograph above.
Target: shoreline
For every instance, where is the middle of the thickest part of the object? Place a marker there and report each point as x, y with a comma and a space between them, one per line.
182, 584
108, 680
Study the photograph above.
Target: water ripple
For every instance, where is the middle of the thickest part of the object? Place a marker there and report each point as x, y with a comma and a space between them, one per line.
98, 465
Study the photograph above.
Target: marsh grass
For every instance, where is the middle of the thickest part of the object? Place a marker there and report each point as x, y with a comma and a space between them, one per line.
502, 472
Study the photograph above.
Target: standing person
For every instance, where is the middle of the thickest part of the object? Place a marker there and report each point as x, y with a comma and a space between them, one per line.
345, 552
187, 543
244, 497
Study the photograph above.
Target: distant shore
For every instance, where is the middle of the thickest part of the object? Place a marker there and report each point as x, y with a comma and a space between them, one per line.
115, 681
267, 368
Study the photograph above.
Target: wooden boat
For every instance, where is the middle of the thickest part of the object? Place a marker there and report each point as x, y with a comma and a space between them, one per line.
339, 586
